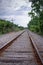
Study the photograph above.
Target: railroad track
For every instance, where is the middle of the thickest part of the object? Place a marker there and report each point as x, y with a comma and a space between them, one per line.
20, 51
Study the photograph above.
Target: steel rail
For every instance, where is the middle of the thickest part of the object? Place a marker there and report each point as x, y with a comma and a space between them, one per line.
10, 42
35, 47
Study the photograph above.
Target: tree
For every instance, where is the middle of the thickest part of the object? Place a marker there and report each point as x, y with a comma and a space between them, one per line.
7, 26
37, 15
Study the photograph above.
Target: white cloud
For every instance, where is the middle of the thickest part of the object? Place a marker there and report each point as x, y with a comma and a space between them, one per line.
16, 10
22, 20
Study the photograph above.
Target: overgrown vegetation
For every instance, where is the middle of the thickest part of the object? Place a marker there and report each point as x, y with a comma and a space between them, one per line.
36, 23
7, 26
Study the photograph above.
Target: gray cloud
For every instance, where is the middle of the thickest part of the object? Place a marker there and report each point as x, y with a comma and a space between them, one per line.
10, 7
14, 9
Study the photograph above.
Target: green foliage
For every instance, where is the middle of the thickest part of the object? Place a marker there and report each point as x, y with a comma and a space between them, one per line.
36, 23
21, 28
7, 26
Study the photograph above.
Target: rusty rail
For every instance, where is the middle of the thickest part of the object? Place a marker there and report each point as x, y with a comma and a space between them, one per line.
35, 47
10, 42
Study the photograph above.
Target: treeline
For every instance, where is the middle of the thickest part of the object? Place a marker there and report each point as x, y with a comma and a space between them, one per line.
36, 23
7, 26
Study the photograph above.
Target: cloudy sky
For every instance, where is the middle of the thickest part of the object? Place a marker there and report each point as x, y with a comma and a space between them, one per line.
16, 11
